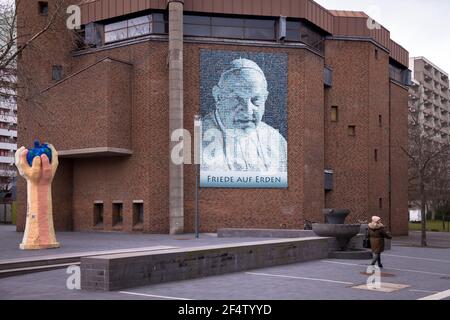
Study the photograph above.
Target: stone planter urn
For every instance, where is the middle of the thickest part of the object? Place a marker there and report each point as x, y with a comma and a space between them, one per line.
335, 227
342, 232
335, 216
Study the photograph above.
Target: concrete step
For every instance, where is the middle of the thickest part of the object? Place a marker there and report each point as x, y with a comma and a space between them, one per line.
263, 233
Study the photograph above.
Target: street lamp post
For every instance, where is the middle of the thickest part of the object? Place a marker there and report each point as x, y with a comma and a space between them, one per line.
197, 141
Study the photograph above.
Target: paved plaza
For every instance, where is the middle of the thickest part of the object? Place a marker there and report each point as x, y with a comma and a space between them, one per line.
410, 272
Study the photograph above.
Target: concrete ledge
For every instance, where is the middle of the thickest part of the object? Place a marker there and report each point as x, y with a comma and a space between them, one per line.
263, 233
94, 152
355, 243
120, 271
12, 267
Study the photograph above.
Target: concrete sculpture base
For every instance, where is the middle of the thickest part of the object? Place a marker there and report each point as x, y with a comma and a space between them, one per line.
39, 246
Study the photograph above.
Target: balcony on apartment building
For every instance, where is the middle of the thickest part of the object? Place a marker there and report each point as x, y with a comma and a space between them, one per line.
415, 86
91, 111
437, 85
7, 160
8, 116
437, 109
428, 114
8, 172
8, 133
444, 122
441, 117
8, 105
436, 99
8, 146
428, 86
427, 76
413, 97
429, 126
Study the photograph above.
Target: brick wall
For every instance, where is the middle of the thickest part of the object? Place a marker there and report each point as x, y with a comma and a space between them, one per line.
360, 86
399, 160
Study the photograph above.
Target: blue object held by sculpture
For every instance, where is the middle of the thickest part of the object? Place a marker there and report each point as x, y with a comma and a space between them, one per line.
37, 151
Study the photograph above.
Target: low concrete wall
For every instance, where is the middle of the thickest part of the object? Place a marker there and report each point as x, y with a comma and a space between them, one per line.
355, 243
263, 233
119, 271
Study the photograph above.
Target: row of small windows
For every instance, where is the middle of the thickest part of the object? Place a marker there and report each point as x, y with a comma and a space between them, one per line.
136, 27
234, 28
400, 75
269, 29
252, 29
117, 214
351, 129
334, 116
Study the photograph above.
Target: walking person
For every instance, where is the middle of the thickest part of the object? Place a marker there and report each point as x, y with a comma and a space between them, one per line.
377, 234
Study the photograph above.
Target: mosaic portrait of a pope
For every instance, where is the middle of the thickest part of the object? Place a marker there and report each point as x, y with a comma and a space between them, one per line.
234, 135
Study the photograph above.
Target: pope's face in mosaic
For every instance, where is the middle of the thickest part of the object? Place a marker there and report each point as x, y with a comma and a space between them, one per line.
240, 99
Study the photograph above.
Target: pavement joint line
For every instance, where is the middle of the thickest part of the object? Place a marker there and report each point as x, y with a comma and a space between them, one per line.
153, 296
295, 277
424, 291
437, 296
417, 258
406, 270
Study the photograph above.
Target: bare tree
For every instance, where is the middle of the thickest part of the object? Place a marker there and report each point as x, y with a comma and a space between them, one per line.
10, 45
428, 153
13, 44
439, 197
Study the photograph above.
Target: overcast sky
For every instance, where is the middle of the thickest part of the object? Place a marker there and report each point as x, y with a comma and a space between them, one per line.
421, 26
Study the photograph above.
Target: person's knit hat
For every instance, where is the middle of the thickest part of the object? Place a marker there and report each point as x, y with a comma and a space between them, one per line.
375, 219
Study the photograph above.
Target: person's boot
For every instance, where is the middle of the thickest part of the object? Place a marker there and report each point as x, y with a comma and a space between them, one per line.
380, 265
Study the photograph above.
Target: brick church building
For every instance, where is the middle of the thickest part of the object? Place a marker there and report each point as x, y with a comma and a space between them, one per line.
109, 95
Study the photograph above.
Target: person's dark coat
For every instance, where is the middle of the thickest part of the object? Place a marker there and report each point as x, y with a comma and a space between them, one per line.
377, 234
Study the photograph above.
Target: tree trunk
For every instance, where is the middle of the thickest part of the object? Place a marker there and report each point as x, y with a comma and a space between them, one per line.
423, 213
